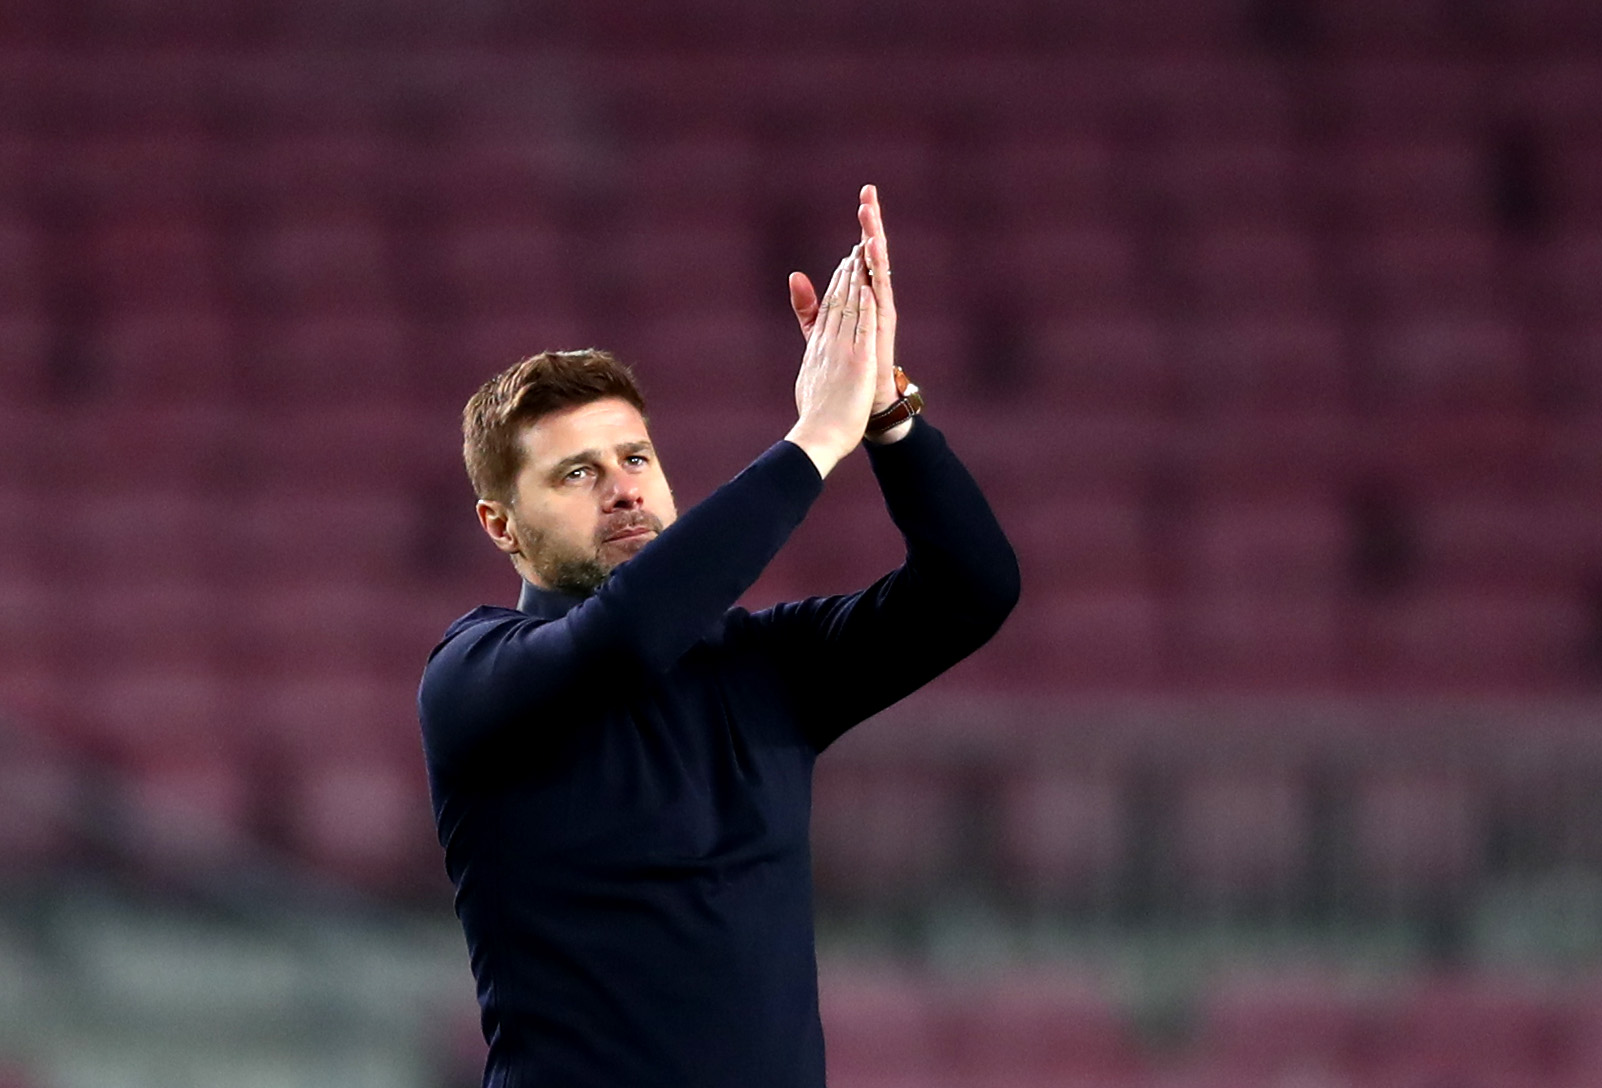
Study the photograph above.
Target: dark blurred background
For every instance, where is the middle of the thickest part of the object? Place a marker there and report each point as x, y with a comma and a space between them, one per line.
1271, 327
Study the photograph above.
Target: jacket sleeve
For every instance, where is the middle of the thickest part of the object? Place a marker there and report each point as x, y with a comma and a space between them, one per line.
845, 658
513, 672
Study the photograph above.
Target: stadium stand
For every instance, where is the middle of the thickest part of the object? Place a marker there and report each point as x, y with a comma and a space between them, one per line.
1272, 329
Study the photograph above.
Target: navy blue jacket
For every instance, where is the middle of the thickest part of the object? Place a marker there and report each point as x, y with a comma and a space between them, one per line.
622, 783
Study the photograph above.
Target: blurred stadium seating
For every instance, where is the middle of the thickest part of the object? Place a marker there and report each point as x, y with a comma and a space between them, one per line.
1271, 327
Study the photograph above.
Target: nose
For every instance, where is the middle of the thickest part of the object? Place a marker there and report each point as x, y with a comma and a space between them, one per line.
622, 493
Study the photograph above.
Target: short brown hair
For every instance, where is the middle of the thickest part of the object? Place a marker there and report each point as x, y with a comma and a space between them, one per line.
493, 421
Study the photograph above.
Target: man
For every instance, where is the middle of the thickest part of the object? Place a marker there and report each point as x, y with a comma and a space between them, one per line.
621, 766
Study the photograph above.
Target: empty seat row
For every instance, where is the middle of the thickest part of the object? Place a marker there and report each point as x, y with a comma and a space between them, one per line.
887, 1024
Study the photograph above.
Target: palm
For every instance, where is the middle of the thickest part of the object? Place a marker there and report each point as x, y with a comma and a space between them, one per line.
804, 297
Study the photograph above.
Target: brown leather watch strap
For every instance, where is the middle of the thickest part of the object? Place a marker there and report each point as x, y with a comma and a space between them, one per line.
909, 405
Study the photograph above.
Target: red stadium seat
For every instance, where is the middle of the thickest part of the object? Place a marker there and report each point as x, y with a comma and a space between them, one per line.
1191, 92
149, 616
1116, 361
1406, 274
1083, 544
1402, 97
303, 161
1061, 835
495, 179
1403, 182
1468, 449
1561, 89
348, 714
23, 249
703, 446
1109, 640
1477, 640
1057, 273
485, 344
1538, 543
501, 269
159, 263
1275, 1025
659, 273
353, 355
127, 709
42, 801
158, 357
1263, 365
338, 265
162, 533
1569, 269
1042, 1024
124, 447
1254, 270
25, 358
157, 171
883, 834
1085, 453
1212, 182
701, 357
1068, 182
882, 1025
1486, 1026
34, 611
1417, 836
363, 534
186, 812
1242, 837
331, 625
1246, 639
1291, 457
1450, 362
365, 822
330, 444
847, 542
1246, 547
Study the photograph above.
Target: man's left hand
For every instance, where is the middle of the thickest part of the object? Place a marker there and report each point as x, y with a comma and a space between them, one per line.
804, 301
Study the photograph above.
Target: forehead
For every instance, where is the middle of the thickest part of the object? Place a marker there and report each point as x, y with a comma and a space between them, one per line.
600, 424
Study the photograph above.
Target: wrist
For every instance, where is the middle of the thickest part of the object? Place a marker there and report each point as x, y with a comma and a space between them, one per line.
825, 450
891, 435
908, 403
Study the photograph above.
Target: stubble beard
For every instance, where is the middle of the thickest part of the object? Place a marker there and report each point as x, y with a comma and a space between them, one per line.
575, 573
571, 571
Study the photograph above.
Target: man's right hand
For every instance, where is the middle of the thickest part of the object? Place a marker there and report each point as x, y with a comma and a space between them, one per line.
834, 390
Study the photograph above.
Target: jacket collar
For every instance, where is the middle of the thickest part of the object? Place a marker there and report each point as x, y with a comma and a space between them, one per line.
545, 603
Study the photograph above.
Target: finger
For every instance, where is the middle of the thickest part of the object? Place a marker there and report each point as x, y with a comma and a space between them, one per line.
829, 302
878, 251
841, 297
871, 217
804, 301
867, 331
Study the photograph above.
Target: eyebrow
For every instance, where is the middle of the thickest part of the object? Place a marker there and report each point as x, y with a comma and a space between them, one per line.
585, 456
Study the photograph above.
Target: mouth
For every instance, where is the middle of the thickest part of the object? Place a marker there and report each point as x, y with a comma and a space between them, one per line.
629, 534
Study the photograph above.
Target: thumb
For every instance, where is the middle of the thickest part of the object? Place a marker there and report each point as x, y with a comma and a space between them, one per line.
804, 301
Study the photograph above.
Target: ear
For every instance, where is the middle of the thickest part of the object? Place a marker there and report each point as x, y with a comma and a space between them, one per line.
497, 522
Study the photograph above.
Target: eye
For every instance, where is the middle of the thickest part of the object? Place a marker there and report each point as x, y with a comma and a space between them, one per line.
638, 458
575, 473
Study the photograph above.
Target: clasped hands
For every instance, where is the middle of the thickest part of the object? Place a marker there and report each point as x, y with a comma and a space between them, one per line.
847, 371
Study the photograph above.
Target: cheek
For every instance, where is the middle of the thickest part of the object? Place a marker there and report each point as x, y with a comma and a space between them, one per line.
662, 502
563, 525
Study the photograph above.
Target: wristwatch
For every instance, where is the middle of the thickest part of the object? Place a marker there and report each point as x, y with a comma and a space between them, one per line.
909, 404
